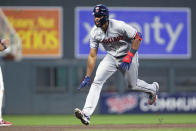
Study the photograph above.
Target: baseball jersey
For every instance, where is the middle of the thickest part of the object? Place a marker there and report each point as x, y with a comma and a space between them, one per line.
117, 39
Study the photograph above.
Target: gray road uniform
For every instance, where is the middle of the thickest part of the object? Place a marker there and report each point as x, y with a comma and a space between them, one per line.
117, 42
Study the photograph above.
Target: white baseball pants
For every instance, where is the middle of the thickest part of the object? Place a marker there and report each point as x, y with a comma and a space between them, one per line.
106, 68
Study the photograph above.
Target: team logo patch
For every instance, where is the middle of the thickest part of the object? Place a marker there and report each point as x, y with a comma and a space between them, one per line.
97, 9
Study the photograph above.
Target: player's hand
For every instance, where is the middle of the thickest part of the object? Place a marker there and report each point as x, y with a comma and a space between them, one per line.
85, 82
126, 62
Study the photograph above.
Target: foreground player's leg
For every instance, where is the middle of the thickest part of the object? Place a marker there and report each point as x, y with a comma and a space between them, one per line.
136, 84
2, 122
105, 69
151, 89
153, 97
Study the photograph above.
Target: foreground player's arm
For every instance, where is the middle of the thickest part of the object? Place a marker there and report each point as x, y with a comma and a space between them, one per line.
90, 66
3, 44
130, 54
136, 42
91, 61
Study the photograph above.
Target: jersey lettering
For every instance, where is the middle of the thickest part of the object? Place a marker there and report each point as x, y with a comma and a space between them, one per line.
112, 39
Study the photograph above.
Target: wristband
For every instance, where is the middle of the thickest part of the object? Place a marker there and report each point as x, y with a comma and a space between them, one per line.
130, 54
138, 36
87, 77
133, 51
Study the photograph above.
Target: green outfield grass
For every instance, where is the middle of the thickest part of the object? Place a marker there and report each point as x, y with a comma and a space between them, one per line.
70, 120
24, 120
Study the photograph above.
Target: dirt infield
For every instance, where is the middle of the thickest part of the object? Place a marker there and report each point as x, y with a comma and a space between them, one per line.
96, 127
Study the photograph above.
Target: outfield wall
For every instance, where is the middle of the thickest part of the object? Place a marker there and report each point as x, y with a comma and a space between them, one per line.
138, 103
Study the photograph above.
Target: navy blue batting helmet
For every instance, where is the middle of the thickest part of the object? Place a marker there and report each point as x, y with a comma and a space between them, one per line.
101, 10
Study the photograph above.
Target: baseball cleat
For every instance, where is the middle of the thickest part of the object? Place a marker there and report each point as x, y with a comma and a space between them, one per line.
5, 123
80, 115
153, 97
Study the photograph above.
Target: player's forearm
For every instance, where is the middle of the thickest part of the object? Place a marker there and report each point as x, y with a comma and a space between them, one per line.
91, 65
136, 41
135, 44
134, 47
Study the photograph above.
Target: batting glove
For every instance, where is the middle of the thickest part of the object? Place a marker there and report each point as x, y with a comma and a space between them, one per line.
126, 62
85, 82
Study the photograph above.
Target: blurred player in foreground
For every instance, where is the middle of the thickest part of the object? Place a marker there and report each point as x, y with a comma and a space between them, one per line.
3, 45
121, 42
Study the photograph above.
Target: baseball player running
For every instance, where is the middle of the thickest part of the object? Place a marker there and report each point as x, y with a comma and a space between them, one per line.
3, 45
121, 42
